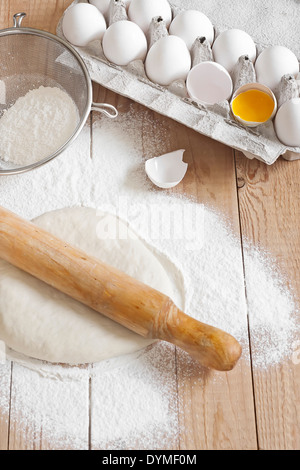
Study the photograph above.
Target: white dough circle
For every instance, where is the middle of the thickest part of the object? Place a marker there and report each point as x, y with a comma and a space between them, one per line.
41, 322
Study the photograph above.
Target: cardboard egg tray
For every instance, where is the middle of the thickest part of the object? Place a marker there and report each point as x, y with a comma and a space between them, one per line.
213, 121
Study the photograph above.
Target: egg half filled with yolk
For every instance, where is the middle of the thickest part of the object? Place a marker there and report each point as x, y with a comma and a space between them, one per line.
253, 106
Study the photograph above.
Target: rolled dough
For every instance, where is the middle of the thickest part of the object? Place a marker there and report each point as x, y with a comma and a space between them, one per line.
41, 322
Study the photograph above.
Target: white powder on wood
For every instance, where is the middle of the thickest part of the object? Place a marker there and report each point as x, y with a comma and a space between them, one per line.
37, 125
134, 405
133, 400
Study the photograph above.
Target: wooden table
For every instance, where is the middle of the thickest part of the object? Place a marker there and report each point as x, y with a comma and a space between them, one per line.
252, 408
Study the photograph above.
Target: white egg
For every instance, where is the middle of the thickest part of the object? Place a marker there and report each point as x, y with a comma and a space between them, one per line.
123, 42
190, 24
142, 12
168, 60
83, 23
103, 5
273, 63
287, 123
231, 45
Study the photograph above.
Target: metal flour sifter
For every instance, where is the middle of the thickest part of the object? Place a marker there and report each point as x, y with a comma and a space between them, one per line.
31, 58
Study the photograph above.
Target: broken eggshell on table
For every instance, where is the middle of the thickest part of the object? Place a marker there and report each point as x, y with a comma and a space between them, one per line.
220, 111
168, 170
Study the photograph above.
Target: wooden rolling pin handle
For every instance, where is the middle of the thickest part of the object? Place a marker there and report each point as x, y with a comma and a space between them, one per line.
111, 292
212, 347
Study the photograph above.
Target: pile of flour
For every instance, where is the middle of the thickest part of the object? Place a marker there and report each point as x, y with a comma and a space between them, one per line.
37, 125
130, 402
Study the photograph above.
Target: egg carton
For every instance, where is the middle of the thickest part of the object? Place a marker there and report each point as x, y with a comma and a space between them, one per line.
173, 101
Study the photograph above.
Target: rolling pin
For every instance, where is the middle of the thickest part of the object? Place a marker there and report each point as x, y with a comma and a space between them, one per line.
112, 293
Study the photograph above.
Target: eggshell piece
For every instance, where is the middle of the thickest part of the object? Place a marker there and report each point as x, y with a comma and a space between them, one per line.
83, 23
273, 63
167, 170
123, 42
141, 12
231, 45
209, 83
190, 24
287, 123
168, 60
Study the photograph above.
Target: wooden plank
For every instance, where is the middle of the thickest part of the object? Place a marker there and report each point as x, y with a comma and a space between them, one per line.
44, 424
270, 210
31, 424
218, 408
39, 15
5, 22
215, 410
123, 411
139, 441
5, 369
31, 428
5, 381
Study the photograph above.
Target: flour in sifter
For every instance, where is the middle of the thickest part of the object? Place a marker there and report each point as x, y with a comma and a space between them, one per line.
37, 125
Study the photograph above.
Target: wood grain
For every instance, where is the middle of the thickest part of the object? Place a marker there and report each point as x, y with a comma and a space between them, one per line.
218, 410
163, 381
32, 424
40, 15
215, 412
203, 397
5, 382
270, 210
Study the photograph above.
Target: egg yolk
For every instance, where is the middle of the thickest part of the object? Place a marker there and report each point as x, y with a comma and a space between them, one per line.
253, 106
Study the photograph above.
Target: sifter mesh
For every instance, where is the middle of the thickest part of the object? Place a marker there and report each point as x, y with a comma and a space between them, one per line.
32, 58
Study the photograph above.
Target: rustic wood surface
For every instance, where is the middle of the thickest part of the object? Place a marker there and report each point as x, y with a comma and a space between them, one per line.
246, 408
